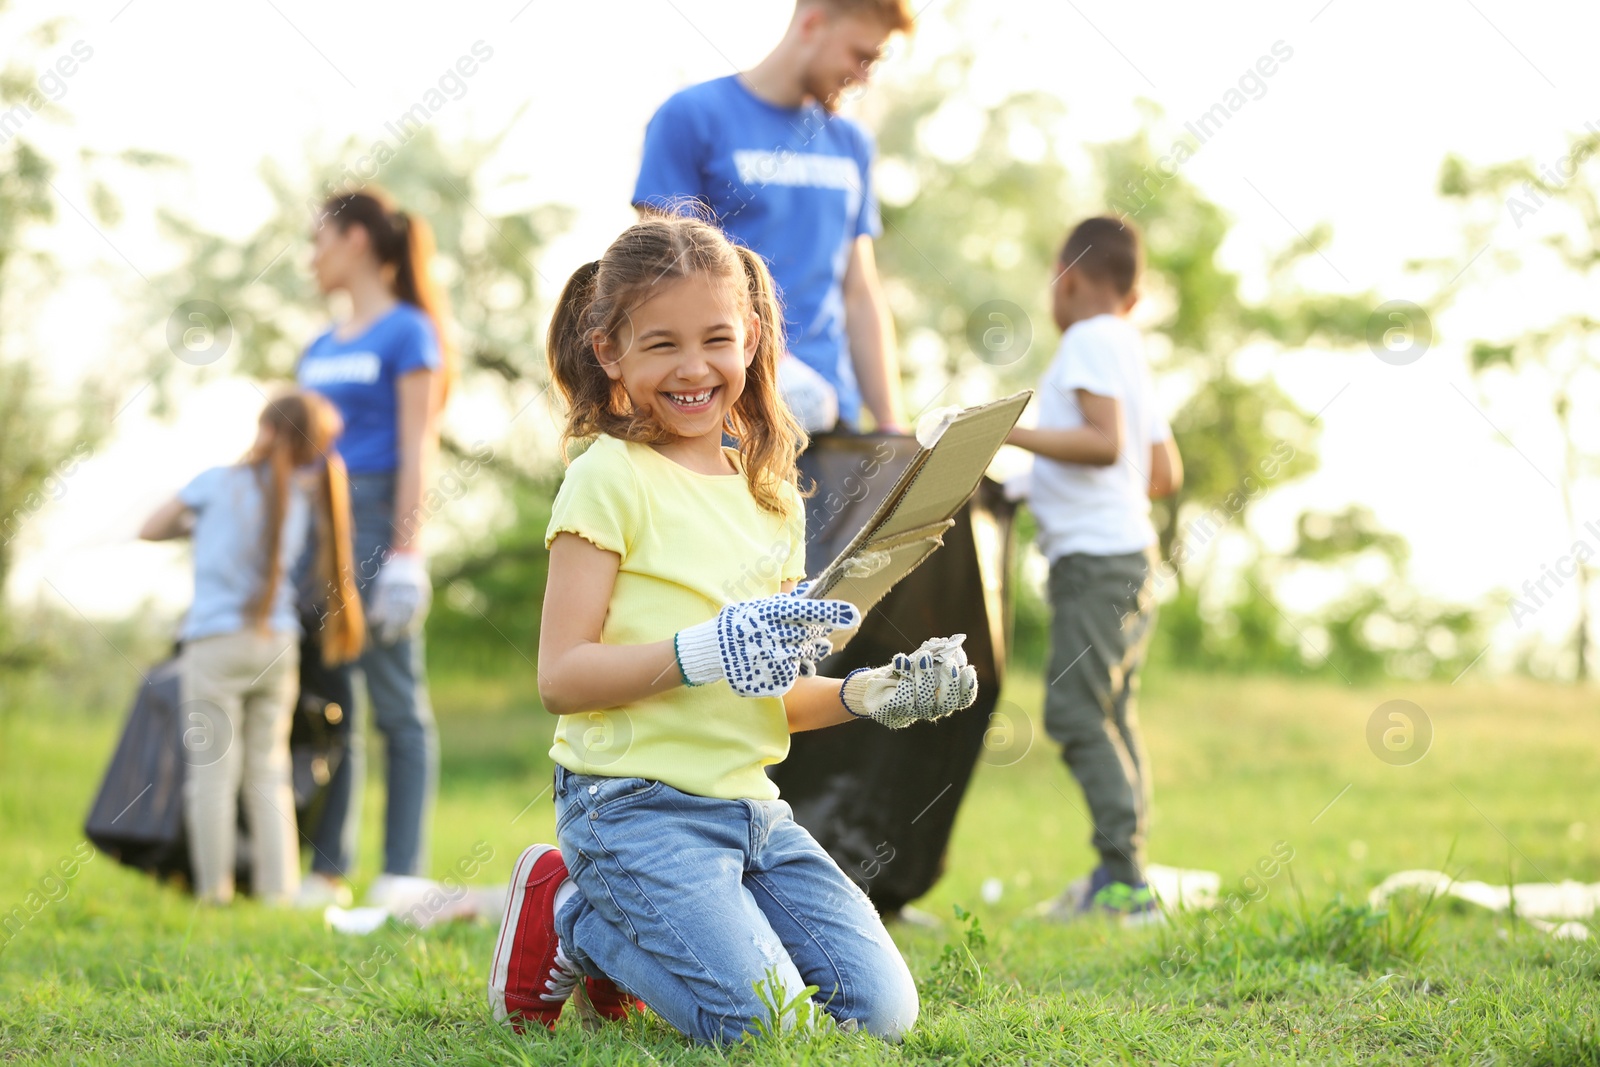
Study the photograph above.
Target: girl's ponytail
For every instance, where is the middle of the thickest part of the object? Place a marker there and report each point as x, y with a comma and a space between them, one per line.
274, 472
569, 349
770, 437
764, 302
344, 628
414, 284
304, 428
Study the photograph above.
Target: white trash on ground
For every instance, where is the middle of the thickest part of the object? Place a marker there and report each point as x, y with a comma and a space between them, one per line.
1552, 907
1179, 889
419, 903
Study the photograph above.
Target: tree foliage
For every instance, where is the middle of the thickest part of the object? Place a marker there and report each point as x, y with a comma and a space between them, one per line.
959, 234
44, 432
989, 227
492, 577
1561, 354
962, 233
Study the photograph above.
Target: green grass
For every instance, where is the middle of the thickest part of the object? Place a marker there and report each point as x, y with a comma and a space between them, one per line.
122, 969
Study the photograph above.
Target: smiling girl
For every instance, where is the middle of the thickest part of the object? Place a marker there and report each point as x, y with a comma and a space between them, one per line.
680, 876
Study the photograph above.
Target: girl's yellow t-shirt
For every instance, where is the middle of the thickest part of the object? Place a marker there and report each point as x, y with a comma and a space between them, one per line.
690, 544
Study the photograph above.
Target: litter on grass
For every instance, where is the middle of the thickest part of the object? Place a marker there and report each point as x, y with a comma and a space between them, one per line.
420, 903
1180, 889
1557, 908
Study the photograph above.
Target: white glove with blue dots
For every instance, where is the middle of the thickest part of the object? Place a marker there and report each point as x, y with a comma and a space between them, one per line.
759, 647
930, 683
816, 647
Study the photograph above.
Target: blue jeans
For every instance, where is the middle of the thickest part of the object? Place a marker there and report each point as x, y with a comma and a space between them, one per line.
687, 902
398, 695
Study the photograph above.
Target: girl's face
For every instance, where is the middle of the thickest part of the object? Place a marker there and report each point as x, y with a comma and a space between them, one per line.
682, 354
336, 255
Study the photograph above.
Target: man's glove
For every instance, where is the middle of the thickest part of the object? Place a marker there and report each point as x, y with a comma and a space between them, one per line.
401, 594
759, 646
930, 683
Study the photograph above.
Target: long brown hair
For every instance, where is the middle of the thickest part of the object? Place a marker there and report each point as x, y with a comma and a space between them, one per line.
403, 242
304, 427
595, 303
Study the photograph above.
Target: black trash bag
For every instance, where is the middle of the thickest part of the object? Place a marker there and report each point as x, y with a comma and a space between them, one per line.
321, 734
883, 802
137, 816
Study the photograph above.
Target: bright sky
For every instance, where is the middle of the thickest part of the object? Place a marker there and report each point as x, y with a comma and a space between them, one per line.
1350, 130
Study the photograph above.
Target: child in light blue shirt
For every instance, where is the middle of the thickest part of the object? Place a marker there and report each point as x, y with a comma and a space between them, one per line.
240, 659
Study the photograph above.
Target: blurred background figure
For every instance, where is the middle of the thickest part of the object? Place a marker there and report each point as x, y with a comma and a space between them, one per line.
784, 174
387, 368
767, 154
1102, 451
249, 523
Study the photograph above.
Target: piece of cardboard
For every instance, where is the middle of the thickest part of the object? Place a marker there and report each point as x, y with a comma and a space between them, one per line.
907, 526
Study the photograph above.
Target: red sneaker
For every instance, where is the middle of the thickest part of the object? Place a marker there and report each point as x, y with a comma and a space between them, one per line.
604, 1001
529, 981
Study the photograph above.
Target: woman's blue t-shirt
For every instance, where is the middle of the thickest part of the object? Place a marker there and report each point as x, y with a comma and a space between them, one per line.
360, 376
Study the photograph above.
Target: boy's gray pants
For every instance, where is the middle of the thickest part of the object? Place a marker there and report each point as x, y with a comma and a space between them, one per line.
1103, 614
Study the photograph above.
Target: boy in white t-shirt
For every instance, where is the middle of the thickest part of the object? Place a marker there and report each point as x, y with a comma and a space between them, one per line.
1102, 450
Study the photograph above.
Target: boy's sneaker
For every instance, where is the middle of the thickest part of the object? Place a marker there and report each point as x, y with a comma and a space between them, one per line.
1073, 903
531, 978
1132, 905
1097, 893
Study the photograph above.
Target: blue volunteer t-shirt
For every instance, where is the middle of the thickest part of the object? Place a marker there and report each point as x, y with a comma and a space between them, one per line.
790, 183
360, 376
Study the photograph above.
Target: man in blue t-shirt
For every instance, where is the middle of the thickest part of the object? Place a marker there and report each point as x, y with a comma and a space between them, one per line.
788, 177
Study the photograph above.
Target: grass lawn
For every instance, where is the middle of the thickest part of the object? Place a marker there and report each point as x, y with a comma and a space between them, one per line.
122, 969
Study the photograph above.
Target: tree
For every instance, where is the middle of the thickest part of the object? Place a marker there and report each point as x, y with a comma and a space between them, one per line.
972, 238
43, 436
1561, 353
987, 228
497, 297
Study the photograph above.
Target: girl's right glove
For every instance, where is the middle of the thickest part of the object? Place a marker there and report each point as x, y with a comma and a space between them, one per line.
930, 683
761, 646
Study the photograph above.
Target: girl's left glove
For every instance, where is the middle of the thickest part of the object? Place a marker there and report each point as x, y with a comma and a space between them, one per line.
401, 594
930, 683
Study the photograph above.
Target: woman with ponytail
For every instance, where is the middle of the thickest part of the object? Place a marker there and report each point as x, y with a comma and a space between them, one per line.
240, 653
388, 368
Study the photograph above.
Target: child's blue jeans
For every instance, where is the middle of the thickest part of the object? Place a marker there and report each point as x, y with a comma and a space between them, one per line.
687, 902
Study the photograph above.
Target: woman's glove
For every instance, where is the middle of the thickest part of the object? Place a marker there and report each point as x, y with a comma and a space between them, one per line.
928, 684
760, 646
401, 594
